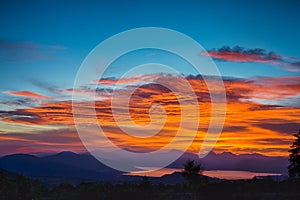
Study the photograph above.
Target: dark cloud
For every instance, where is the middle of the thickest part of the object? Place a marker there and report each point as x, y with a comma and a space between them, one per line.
272, 141
41, 141
296, 64
235, 128
13, 51
24, 102
21, 116
241, 54
258, 107
281, 126
44, 85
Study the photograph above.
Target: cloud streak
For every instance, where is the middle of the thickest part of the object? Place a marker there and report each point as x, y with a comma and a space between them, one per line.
248, 121
28, 94
128, 80
49, 141
258, 55
13, 51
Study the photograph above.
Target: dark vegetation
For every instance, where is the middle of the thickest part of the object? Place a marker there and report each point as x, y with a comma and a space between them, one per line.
15, 187
294, 167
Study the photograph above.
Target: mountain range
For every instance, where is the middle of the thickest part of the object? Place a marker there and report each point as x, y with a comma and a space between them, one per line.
75, 168
243, 162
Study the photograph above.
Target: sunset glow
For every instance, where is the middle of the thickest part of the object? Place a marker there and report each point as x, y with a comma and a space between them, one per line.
251, 126
256, 54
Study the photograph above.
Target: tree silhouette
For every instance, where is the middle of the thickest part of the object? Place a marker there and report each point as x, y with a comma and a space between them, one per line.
4, 185
294, 167
191, 171
145, 183
24, 187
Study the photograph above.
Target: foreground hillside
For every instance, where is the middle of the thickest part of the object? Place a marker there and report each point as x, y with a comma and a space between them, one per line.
14, 187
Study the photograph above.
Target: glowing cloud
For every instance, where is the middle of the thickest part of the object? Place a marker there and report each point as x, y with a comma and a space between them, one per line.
27, 94
241, 54
248, 128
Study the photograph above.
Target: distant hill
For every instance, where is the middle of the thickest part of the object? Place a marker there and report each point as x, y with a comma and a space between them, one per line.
75, 168
242, 162
64, 164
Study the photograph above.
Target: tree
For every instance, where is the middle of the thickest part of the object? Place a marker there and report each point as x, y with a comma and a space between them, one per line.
24, 187
145, 183
294, 167
4, 185
191, 171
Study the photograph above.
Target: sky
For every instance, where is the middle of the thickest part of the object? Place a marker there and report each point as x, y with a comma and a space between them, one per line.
253, 43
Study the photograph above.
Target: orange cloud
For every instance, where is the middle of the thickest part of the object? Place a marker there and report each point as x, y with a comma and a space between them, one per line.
125, 80
241, 54
250, 127
240, 57
27, 94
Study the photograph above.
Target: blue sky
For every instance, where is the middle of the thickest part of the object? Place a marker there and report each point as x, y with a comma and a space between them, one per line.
43, 43
64, 32
78, 26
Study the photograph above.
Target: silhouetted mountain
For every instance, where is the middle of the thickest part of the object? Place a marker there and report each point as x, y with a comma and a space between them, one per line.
63, 165
75, 168
242, 162
81, 161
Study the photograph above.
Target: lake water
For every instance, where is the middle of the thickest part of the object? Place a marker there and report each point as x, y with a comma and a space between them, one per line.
222, 174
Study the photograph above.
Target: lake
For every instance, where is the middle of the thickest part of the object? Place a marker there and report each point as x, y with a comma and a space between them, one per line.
222, 174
